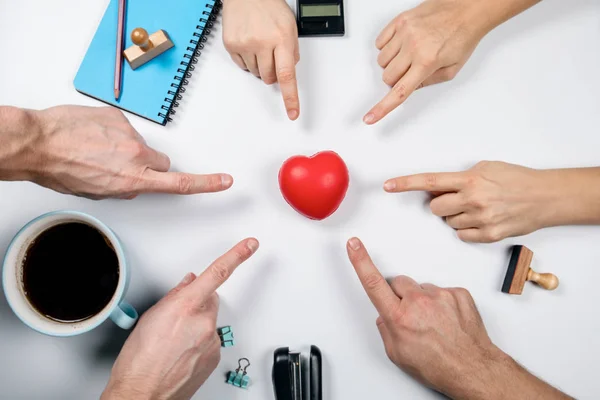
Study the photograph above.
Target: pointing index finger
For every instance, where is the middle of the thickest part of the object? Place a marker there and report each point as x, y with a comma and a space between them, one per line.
220, 270
182, 183
379, 291
398, 94
285, 61
430, 182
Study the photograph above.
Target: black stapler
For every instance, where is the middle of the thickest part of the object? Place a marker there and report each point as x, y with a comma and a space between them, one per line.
288, 373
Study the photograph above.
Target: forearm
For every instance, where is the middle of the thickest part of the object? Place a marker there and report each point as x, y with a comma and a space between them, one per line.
116, 390
19, 131
491, 13
500, 377
573, 196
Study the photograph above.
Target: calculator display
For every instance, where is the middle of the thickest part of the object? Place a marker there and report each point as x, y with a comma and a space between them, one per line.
320, 10
320, 17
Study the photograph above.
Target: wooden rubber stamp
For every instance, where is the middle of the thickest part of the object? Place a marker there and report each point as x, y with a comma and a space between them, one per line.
146, 47
519, 271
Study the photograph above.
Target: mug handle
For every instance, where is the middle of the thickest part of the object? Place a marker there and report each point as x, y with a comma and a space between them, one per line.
124, 315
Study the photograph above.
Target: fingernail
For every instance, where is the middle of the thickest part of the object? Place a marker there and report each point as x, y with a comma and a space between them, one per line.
389, 186
354, 244
292, 114
187, 279
369, 118
252, 245
226, 180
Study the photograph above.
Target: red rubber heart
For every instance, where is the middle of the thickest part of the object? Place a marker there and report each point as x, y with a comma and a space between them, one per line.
314, 186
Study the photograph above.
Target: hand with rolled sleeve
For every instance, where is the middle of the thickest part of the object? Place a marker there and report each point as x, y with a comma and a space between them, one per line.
438, 337
175, 346
430, 43
92, 152
496, 200
262, 37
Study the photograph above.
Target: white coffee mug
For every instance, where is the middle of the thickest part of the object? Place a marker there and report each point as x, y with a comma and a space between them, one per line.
119, 311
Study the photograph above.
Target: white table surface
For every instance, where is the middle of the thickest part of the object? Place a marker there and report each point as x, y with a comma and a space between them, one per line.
529, 95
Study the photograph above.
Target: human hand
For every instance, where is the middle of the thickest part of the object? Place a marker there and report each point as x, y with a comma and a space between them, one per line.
427, 45
96, 153
175, 346
489, 202
438, 337
435, 335
262, 37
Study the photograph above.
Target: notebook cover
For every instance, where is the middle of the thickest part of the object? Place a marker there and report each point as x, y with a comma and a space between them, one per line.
151, 89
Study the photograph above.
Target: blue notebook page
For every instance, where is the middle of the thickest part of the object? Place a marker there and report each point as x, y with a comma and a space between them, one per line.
149, 90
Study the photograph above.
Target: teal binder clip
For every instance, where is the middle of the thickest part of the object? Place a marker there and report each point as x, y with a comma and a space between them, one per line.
239, 377
226, 335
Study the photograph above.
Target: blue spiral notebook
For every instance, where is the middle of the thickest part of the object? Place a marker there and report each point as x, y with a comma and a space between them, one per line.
152, 90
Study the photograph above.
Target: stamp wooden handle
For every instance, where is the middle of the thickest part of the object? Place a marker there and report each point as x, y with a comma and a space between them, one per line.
140, 37
547, 281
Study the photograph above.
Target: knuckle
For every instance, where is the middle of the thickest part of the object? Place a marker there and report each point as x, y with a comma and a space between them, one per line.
290, 99
401, 20
473, 180
381, 60
184, 183
431, 181
475, 201
444, 294
449, 74
138, 148
399, 90
219, 271
398, 280
246, 42
388, 78
462, 236
373, 281
416, 296
461, 293
186, 308
424, 301
404, 321
487, 218
269, 79
399, 318
482, 164
286, 75
229, 43
289, 30
412, 39
493, 234
435, 208
206, 336
427, 59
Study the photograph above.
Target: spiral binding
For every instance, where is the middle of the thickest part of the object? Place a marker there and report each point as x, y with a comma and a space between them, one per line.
187, 65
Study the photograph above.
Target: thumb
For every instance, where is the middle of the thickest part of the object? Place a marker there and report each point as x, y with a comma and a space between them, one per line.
383, 330
441, 75
182, 183
386, 336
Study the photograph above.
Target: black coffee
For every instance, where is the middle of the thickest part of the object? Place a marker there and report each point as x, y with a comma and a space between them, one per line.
70, 272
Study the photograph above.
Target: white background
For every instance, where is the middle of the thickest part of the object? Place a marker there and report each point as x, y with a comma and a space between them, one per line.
529, 95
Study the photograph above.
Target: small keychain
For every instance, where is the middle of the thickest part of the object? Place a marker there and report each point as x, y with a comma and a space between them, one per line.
239, 377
